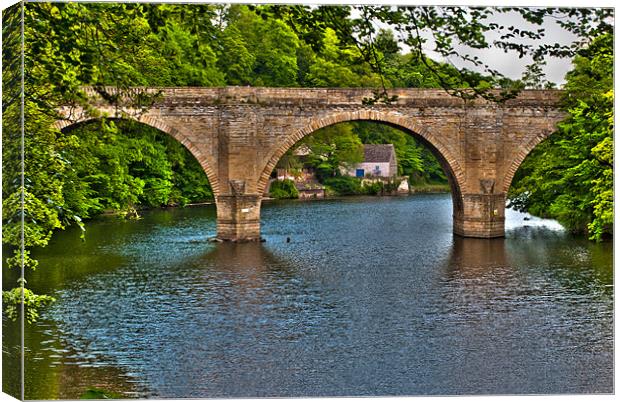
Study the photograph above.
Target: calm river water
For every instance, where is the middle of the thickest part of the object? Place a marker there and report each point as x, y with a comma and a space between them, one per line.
372, 296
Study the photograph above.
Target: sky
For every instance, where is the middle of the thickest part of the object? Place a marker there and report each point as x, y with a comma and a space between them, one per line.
509, 64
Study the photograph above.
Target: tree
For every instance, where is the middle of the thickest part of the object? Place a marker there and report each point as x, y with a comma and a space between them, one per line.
570, 175
234, 58
335, 66
534, 77
273, 47
446, 29
67, 45
192, 61
333, 148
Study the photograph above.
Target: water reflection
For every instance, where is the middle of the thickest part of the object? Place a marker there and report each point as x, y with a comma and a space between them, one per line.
53, 371
248, 266
538, 303
474, 258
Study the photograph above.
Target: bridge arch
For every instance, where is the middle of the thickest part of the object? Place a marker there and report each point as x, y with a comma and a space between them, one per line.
520, 156
448, 161
205, 162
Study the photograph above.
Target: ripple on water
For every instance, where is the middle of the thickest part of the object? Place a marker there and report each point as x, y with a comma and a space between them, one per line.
372, 296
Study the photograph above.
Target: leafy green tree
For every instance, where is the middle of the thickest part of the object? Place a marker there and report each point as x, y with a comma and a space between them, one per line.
234, 58
534, 76
283, 189
570, 175
343, 185
192, 61
124, 165
386, 43
338, 65
447, 30
67, 45
289, 160
332, 149
273, 47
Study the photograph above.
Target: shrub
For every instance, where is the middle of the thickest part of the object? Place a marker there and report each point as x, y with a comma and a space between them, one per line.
344, 185
283, 189
373, 188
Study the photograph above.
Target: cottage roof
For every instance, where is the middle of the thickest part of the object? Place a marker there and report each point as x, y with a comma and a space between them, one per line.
378, 152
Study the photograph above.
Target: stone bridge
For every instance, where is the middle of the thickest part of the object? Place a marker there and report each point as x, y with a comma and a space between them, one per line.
238, 134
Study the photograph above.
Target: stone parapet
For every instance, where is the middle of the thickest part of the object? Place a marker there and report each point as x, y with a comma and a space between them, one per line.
237, 95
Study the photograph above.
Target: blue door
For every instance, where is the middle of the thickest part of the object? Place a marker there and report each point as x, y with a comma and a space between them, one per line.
359, 172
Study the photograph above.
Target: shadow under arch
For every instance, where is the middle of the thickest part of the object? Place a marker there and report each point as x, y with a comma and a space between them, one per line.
205, 162
454, 172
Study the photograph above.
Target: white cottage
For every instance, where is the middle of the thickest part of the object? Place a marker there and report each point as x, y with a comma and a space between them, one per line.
379, 161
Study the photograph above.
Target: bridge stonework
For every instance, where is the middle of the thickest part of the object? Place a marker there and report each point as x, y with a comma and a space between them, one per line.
238, 134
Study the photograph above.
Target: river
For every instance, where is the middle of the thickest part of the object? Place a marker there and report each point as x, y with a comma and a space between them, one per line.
371, 296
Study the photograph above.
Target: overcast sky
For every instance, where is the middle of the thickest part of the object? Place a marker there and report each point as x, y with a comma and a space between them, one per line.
510, 64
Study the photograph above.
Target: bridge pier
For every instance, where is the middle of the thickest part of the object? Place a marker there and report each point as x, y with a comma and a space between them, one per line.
482, 215
238, 217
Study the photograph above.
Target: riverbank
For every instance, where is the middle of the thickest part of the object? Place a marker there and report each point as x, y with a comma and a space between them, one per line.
426, 188
352, 186
430, 188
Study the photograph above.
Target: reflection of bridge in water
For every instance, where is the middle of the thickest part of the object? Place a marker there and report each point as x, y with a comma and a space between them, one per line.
473, 258
238, 134
247, 266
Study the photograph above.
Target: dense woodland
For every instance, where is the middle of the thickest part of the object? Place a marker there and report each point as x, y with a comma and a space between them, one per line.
108, 165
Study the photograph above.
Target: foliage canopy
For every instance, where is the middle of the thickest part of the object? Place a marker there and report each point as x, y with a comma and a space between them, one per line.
569, 176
